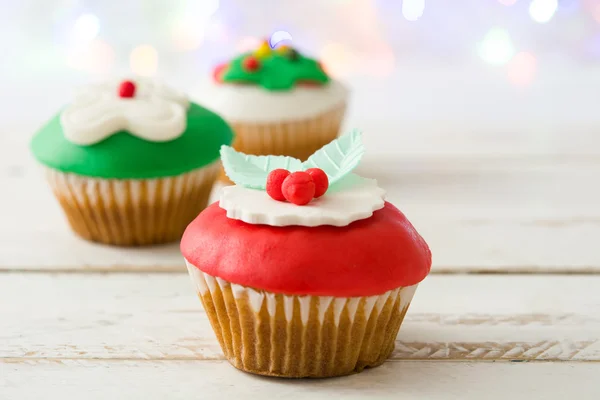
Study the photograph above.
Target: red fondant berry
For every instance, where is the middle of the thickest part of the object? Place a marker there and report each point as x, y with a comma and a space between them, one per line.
321, 180
298, 188
274, 183
218, 72
251, 64
127, 89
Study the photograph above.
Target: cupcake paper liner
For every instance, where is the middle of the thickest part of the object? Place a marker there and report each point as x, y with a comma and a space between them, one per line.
295, 138
301, 336
133, 212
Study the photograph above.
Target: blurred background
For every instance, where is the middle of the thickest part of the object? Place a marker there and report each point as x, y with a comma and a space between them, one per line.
452, 73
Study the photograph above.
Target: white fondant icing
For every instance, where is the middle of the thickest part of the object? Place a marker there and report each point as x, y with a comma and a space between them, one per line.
252, 103
156, 113
205, 282
337, 208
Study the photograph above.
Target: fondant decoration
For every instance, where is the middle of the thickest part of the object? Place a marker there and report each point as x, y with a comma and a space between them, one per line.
375, 255
126, 89
283, 49
124, 156
337, 159
264, 50
155, 114
218, 72
251, 64
320, 179
352, 199
275, 182
298, 188
280, 70
252, 171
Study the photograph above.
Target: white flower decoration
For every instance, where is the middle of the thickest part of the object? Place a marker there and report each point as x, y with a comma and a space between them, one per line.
155, 113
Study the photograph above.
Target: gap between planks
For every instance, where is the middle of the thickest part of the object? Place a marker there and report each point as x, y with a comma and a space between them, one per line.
157, 316
541, 351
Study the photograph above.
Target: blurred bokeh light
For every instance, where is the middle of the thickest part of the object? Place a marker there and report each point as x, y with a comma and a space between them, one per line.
428, 49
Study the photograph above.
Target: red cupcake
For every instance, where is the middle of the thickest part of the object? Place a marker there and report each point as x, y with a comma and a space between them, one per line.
304, 289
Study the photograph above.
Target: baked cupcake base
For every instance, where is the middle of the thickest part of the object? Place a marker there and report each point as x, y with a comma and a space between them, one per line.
295, 138
132, 212
301, 336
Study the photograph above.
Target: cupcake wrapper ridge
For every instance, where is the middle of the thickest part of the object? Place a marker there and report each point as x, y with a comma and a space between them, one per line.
132, 212
301, 336
294, 138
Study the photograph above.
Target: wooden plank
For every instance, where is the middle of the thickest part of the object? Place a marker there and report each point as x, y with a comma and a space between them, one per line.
102, 379
498, 215
157, 316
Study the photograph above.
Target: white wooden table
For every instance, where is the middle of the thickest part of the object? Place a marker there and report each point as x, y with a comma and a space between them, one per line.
511, 309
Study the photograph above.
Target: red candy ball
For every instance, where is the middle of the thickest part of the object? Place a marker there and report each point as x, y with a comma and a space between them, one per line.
251, 64
321, 180
274, 183
298, 188
127, 89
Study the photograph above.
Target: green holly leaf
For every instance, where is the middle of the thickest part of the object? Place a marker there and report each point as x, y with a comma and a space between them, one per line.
339, 157
252, 171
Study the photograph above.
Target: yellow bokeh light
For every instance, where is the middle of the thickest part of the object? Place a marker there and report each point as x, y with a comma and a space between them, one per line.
338, 61
143, 60
187, 37
248, 43
96, 57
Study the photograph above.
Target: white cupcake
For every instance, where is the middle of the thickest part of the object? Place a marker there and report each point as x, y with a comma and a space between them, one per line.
277, 101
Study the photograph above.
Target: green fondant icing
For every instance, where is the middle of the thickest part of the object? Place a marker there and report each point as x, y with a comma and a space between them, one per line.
279, 70
124, 156
337, 159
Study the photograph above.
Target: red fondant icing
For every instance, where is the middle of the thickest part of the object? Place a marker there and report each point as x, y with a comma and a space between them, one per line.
367, 257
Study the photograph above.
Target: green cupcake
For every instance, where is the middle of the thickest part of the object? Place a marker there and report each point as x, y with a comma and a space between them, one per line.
131, 162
